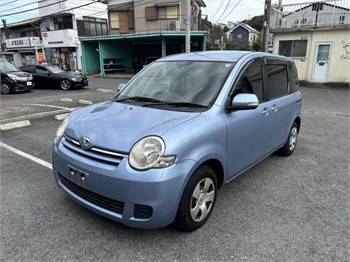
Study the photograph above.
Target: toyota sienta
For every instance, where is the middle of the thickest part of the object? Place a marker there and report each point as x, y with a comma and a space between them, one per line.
187, 124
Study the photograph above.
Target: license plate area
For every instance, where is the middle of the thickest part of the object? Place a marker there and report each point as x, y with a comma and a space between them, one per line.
78, 174
29, 83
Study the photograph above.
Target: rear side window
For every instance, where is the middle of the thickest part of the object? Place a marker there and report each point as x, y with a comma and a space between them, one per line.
293, 79
276, 81
251, 81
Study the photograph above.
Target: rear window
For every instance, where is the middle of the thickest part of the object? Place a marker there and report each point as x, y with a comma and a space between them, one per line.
276, 81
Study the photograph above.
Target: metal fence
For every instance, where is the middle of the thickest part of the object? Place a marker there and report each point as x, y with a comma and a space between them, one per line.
327, 13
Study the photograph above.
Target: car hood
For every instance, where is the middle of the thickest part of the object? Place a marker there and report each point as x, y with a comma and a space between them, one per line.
118, 126
70, 74
19, 73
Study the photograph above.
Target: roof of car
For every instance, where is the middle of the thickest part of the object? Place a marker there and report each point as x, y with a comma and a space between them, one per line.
219, 56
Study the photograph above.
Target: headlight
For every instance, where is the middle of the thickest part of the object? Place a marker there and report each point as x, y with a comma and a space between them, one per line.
13, 77
75, 79
149, 153
61, 129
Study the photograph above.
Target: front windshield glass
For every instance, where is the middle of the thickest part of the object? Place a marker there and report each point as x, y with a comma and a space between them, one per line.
7, 67
191, 82
54, 69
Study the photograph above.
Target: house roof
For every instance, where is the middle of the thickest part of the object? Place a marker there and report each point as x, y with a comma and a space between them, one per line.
245, 26
307, 6
20, 23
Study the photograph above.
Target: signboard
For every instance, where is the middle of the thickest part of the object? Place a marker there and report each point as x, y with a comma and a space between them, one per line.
60, 38
22, 42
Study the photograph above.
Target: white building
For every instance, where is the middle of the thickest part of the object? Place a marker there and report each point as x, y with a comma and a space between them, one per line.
317, 36
63, 23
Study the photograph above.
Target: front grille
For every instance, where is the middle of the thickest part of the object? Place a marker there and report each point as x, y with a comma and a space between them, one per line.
98, 200
142, 211
93, 152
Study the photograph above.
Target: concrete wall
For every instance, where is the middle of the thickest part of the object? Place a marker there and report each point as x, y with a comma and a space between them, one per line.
339, 63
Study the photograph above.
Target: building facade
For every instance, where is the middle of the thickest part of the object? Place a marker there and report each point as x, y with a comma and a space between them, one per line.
242, 35
317, 36
141, 32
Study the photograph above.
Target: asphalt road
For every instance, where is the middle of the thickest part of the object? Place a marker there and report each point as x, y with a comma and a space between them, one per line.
284, 209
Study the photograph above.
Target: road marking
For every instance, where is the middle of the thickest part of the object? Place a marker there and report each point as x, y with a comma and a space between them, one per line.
61, 117
43, 105
85, 102
104, 90
64, 99
25, 155
14, 125
37, 115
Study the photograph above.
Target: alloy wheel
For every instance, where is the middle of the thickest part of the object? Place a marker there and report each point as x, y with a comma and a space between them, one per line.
65, 84
293, 138
202, 200
5, 89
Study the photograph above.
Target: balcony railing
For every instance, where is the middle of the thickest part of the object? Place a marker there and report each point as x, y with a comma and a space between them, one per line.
311, 15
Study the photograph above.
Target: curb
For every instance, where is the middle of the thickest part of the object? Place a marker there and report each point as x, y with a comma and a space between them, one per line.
13, 125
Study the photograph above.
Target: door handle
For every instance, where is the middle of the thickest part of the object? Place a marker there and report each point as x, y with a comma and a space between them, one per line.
274, 108
265, 111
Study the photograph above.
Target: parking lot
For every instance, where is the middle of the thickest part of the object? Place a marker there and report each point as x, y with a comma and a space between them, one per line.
284, 209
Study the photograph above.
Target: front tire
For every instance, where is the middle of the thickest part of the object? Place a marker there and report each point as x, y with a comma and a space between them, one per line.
198, 200
290, 145
5, 89
65, 84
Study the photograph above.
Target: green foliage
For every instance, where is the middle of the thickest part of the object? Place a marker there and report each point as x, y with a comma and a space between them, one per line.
256, 22
256, 45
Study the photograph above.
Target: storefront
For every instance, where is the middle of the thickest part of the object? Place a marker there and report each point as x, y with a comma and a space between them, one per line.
128, 53
21, 50
62, 48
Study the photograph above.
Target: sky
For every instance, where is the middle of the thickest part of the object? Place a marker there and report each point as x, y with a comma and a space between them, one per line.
237, 10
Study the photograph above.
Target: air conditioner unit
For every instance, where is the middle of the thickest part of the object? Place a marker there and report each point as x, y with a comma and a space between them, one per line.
173, 25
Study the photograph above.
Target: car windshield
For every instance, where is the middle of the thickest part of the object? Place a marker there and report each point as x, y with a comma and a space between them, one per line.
6, 66
55, 69
177, 83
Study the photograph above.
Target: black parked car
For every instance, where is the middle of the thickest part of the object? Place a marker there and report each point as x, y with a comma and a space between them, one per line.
12, 79
47, 76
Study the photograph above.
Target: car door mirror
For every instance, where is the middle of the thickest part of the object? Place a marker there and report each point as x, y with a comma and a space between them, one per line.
244, 102
120, 87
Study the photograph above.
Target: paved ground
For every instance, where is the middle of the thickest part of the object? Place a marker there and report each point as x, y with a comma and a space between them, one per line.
284, 209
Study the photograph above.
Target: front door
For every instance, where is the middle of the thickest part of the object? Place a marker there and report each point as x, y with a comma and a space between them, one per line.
322, 62
247, 130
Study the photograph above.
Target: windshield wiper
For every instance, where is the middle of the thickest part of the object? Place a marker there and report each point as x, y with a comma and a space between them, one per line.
139, 98
178, 104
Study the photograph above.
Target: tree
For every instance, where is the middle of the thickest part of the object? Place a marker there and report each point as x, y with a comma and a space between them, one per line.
256, 45
257, 22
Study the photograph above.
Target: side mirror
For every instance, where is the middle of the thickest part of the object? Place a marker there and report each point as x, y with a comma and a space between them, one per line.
119, 87
244, 102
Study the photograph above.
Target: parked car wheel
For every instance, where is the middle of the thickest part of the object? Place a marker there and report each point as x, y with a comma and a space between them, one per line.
65, 84
5, 89
198, 200
291, 144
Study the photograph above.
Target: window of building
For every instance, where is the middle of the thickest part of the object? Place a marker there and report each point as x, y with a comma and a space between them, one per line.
91, 26
63, 22
239, 36
162, 12
317, 7
341, 19
276, 81
251, 81
292, 48
122, 20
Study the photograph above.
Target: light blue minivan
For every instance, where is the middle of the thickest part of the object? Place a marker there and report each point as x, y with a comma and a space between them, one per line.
158, 152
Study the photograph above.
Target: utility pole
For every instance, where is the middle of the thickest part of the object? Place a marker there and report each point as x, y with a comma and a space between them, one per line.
266, 29
188, 26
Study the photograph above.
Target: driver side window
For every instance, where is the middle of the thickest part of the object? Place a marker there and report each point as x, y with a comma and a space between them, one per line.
251, 82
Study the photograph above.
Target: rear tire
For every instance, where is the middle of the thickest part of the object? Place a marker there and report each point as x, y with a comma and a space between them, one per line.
290, 145
198, 200
65, 84
5, 89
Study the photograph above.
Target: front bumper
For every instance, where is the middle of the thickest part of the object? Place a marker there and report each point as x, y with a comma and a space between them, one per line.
83, 82
158, 189
20, 86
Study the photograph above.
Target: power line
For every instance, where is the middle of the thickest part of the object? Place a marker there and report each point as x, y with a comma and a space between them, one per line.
10, 2
38, 2
32, 9
233, 8
219, 7
228, 3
